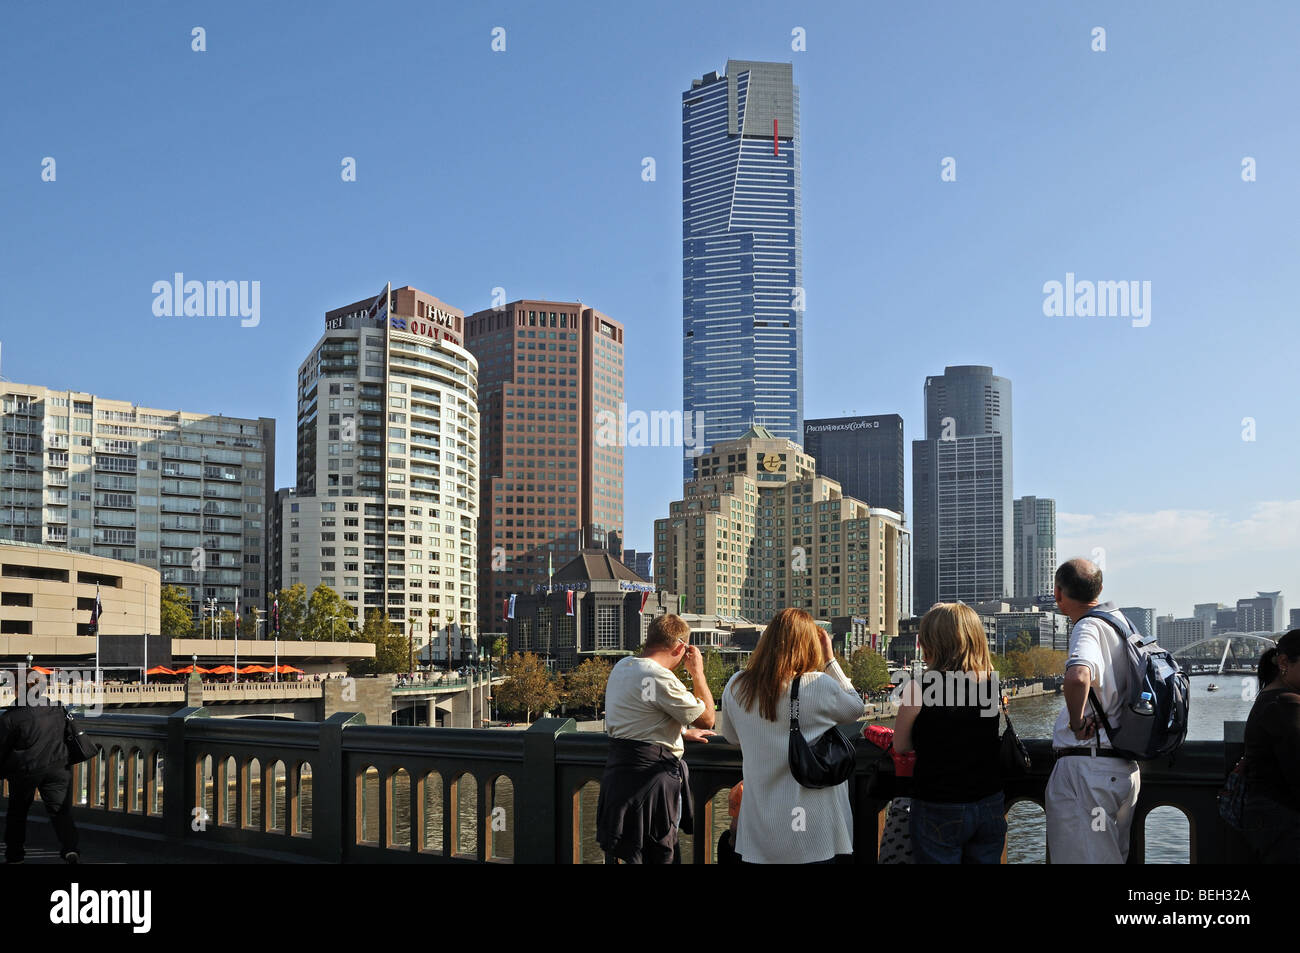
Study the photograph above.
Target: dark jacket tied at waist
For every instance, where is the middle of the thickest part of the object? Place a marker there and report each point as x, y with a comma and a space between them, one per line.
636, 815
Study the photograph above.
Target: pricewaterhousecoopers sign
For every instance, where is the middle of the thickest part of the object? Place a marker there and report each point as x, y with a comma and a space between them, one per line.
860, 423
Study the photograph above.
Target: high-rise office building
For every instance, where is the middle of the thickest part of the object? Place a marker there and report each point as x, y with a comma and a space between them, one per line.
1208, 612
1034, 527
1175, 634
826, 553
1264, 613
1144, 620
639, 563
184, 493
550, 383
961, 490
1225, 620
864, 455
742, 253
386, 507
1295, 619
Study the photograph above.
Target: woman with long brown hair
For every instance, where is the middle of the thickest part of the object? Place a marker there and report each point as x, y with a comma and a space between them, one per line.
950, 719
782, 822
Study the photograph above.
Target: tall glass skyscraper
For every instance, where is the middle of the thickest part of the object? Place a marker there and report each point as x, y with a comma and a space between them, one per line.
1035, 533
963, 537
742, 254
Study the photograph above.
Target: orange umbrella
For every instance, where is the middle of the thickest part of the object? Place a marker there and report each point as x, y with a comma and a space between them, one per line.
161, 670
189, 669
255, 670
221, 670
287, 669
42, 670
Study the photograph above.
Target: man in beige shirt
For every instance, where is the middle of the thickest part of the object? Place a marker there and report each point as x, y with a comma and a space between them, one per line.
644, 793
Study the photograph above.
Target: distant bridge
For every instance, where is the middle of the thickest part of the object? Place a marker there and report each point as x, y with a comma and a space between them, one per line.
1235, 653
450, 702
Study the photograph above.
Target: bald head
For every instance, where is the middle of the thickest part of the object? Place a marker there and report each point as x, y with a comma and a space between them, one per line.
1079, 580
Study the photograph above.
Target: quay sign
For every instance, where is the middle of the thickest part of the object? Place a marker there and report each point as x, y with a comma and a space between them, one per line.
430, 321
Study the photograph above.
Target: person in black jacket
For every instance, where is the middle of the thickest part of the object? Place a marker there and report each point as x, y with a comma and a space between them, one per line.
34, 757
1272, 815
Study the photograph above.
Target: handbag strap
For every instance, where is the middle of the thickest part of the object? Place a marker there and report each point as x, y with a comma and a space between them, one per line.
794, 703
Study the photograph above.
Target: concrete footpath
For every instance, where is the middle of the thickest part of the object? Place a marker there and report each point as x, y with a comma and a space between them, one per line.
108, 847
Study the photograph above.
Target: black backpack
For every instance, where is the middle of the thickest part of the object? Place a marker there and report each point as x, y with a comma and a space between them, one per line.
1139, 734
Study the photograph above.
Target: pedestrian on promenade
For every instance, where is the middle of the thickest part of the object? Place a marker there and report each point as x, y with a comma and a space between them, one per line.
645, 791
949, 717
1091, 793
1271, 818
782, 822
34, 757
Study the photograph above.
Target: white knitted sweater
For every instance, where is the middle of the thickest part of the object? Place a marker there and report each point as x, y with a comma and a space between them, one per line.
780, 821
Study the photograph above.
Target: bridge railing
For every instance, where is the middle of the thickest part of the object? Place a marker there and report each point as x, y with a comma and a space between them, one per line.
340, 790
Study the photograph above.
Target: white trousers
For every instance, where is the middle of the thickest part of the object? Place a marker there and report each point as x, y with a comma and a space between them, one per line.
1090, 804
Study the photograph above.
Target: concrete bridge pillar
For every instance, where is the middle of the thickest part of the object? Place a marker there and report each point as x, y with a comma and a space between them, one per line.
371, 697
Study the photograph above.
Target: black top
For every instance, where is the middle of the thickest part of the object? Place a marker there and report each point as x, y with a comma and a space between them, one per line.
32, 740
956, 744
1273, 746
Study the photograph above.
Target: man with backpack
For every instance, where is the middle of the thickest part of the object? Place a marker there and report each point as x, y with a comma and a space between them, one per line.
1110, 720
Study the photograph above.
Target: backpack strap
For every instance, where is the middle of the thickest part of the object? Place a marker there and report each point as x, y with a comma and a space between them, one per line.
1092, 693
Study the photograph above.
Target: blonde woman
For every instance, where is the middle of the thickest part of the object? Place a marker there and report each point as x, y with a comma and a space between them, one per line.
949, 717
780, 821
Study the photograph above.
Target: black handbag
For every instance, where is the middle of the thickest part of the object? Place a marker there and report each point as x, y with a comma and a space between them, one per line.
1232, 799
826, 762
1013, 758
79, 746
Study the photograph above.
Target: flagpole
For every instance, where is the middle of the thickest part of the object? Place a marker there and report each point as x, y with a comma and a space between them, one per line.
236, 640
98, 614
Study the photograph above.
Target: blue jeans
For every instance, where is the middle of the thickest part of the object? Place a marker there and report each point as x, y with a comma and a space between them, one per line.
971, 833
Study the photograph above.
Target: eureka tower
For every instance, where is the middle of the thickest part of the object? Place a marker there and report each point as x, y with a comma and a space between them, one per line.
742, 254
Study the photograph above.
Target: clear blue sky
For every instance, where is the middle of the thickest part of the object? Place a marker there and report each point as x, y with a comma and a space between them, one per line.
522, 169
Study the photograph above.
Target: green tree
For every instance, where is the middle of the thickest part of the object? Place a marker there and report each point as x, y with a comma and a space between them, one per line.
584, 687
1006, 667
293, 613
391, 653
1020, 642
528, 687
328, 618
226, 629
716, 672
174, 616
868, 670
500, 647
